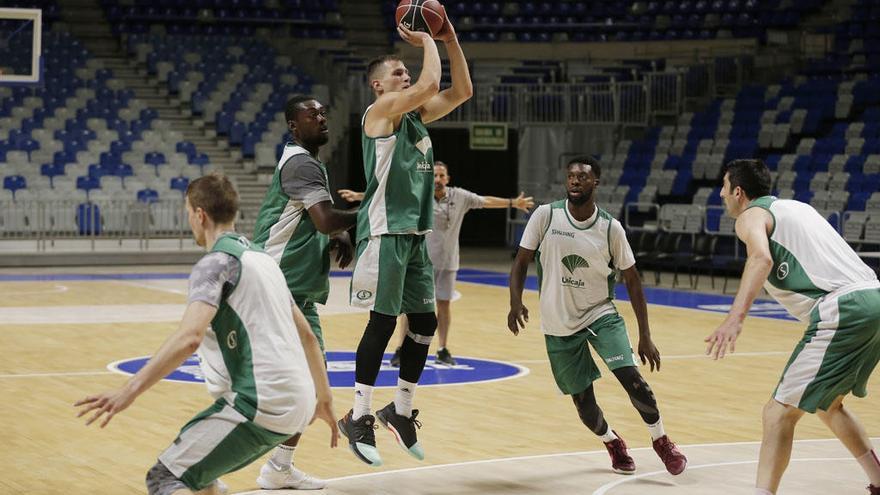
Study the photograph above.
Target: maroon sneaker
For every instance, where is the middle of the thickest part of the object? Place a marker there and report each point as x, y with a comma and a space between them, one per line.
674, 460
874, 490
621, 462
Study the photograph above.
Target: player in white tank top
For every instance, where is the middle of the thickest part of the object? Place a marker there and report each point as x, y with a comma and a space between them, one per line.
808, 268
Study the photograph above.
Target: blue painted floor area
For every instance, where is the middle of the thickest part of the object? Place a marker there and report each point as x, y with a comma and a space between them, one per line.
654, 295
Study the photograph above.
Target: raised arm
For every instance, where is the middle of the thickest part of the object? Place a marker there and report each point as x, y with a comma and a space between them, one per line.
173, 352
521, 202
390, 105
461, 90
752, 227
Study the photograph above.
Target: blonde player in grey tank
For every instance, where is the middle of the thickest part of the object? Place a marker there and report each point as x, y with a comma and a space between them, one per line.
579, 249
810, 269
393, 272
261, 362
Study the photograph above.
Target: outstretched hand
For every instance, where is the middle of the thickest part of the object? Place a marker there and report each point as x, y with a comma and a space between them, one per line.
523, 202
350, 196
111, 403
324, 412
414, 38
724, 336
447, 32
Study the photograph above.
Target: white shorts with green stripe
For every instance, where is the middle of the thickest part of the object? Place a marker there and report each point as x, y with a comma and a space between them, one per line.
217, 441
837, 353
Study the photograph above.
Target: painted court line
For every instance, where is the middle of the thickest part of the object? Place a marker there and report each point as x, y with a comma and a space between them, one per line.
546, 456
58, 374
602, 490
681, 356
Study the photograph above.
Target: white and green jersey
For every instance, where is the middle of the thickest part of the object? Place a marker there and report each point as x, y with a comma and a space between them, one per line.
810, 259
287, 233
577, 263
399, 169
251, 355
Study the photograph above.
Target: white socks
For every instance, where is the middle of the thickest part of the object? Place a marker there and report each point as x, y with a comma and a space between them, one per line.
657, 430
283, 456
609, 435
363, 400
871, 465
403, 398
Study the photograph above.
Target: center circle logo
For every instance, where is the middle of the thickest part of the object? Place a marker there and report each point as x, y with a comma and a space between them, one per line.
340, 368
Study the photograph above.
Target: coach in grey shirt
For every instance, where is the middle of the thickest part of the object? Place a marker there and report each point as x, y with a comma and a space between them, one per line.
450, 206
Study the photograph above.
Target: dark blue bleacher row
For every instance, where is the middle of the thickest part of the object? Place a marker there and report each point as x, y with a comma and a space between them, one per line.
536, 21
75, 96
307, 18
218, 57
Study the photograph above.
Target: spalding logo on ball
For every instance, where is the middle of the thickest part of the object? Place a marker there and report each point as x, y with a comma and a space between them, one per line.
421, 15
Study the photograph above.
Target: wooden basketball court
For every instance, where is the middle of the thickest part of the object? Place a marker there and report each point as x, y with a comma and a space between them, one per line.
513, 436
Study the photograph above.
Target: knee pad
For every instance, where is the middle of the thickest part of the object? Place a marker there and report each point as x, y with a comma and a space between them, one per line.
380, 327
421, 327
589, 411
161, 481
640, 393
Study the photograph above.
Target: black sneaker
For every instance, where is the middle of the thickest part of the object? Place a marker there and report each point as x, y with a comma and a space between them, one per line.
395, 359
361, 438
404, 429
444, 357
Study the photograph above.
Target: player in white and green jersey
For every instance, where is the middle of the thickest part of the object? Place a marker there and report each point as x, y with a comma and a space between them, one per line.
393, 272
810, 269
261, 362
579, 249
294, 226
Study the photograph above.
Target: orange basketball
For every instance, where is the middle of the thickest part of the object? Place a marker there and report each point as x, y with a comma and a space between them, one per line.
421, 15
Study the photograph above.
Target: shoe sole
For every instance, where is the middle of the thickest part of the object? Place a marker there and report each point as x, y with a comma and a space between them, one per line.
265, 485
354, 450
621, 471
387, 424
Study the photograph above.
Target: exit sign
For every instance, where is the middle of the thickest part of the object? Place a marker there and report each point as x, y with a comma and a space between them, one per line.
489, 137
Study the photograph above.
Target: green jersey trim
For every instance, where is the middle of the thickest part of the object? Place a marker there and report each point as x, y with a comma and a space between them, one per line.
788, 274
568, 216
764, 202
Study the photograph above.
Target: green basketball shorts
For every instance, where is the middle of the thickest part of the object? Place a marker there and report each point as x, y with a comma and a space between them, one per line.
392, 275
837, 353
571, 362
217, 441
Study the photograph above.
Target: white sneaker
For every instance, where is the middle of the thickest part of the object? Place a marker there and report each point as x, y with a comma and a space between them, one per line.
222, 487
274, 477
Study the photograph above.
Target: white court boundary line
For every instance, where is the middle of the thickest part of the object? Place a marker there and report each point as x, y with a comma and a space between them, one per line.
683, 356
57, 289
602, 490
49, 374
545, 456
524, 371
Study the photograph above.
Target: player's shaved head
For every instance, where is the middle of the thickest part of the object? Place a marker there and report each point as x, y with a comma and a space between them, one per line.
377, 66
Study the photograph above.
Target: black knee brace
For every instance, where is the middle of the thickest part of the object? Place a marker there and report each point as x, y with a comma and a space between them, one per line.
414, 352
161, 481
422, 327
373, 342
640, 393
589, 411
